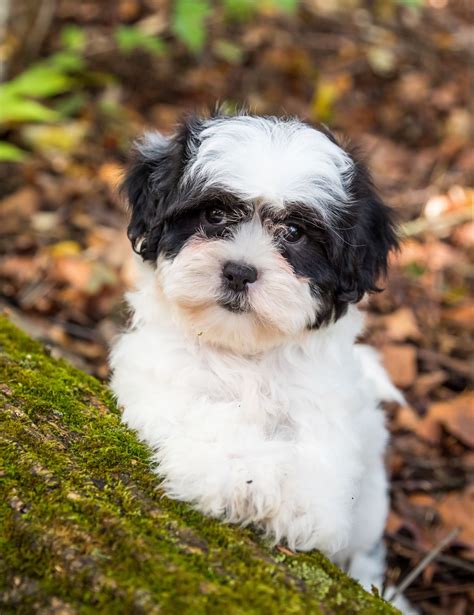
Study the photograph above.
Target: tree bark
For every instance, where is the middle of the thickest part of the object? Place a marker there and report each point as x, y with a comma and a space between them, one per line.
84, 527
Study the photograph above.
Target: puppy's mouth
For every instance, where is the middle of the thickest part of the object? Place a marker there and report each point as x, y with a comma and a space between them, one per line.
235, 303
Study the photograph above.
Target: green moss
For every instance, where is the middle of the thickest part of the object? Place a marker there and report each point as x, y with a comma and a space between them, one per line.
84, 526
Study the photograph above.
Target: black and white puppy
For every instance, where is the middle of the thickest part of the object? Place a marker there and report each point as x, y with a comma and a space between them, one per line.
257, 237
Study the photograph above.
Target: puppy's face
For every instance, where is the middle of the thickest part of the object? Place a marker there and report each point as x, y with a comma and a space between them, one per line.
259, 228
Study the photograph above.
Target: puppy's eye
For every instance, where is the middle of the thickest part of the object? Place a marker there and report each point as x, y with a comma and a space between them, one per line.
215, 215
293, 233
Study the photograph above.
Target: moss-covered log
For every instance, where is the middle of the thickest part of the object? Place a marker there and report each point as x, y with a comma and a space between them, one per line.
84, 528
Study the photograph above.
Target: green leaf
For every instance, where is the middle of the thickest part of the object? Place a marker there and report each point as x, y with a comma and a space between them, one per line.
14, 108
289, 6
67, 62
73, 38
71, 104
240, 10
415, 4
415, 270
40, 80
228, 51
189, 22
129, 38
48, 138
11, 153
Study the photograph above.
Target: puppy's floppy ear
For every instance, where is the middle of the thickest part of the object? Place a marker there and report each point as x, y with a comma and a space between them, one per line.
369, 234
151, 182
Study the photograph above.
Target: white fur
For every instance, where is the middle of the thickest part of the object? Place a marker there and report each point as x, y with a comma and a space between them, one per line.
290, 438
273, 160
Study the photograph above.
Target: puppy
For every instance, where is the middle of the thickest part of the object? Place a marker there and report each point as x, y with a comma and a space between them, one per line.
257, 237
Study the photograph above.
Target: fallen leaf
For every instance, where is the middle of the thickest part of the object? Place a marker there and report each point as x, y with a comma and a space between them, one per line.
423, 427
73, 271
456, 416
401, 325
427, 382
434, 255
22, 203
400, 362
111, 174
394, 522
64, 248
456, 511
458, 125
45, 221
461, 316
285, 550
463, 236
20, 269
48, 139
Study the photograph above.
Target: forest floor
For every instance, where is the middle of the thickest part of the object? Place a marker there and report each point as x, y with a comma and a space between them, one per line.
394, 80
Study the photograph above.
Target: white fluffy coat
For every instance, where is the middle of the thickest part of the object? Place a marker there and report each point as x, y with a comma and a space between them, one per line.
290, 440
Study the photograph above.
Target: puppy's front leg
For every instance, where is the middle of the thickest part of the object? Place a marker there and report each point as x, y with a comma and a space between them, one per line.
238, 479
318, 498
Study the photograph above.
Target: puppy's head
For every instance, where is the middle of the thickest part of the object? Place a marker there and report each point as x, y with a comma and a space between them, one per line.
258, 228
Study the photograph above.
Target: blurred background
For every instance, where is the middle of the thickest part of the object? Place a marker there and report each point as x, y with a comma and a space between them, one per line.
80, 80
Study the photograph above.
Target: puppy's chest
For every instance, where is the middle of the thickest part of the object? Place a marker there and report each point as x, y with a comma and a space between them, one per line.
277, 396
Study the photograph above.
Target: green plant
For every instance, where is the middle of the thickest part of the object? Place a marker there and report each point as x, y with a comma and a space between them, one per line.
189, 21
129, 38
45, 79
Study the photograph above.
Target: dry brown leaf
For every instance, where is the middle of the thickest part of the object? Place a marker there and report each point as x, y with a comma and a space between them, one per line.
425, 428
400, 362
394, 522
463, 236
406, 418
427, 382
422, 499
111, 174
412, 251
21, 269
22, 203
440, 255
74, 271
461, 316
456, 510
401, 325
434, 255
456, 415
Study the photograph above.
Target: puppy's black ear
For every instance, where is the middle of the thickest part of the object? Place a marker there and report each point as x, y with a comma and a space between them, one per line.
151, 183
369, 234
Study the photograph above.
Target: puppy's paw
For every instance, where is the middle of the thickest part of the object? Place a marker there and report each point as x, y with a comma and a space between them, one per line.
306, 523
253, 494
308, 531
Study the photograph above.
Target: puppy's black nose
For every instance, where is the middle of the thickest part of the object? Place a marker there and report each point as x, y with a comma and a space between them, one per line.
238, 275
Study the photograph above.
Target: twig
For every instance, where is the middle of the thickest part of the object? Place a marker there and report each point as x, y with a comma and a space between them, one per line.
449, 560
40, 27
440, 590
455, 365
429, 557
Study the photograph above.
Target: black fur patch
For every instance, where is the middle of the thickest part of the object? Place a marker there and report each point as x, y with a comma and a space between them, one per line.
151, 187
